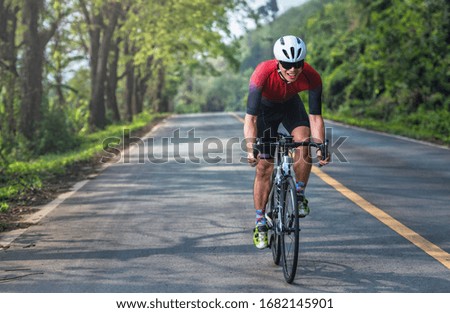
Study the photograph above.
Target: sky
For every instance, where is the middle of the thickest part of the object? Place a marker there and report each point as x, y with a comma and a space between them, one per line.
283, 5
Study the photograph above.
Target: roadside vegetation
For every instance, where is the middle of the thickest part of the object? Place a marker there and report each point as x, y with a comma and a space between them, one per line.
39, 179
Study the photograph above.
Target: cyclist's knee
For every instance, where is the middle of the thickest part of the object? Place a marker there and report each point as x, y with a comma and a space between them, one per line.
301, 133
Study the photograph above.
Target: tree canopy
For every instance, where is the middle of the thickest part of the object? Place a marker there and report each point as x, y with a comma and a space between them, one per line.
79, 65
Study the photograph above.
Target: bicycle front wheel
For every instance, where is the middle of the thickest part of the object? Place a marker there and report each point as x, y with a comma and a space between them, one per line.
272, 205
290, 231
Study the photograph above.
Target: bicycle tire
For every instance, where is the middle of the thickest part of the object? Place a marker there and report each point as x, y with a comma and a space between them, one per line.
275, 243
291, 230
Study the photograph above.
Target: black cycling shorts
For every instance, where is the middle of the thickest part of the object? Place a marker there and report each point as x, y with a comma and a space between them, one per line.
290, 114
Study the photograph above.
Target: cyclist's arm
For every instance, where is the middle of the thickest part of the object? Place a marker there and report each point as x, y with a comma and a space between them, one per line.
250, 132
253, 107
316, 120
317, 128
315, 100
318, 135
315, 111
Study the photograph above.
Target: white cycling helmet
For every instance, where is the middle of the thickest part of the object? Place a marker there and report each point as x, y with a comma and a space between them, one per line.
289, 49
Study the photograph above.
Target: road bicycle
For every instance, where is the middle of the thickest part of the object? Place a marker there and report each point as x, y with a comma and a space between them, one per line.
281, 209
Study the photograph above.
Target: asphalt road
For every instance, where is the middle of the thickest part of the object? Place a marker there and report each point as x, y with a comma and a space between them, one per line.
175, 214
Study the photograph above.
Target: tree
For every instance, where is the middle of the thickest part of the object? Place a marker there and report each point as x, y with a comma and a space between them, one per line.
175, 34
35, 40
102, 19
8, 67
45, 46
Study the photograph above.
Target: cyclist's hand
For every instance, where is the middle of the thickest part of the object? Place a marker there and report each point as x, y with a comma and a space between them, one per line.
252, 161
319, 157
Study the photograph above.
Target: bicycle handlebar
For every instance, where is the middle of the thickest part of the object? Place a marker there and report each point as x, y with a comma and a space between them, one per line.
322, 146
287, 142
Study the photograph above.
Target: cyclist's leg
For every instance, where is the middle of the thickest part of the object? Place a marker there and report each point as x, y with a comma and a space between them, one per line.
261, 186
297, 123
261, 190
267, 123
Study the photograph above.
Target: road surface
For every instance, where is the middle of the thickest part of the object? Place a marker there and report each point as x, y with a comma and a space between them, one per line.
175, 214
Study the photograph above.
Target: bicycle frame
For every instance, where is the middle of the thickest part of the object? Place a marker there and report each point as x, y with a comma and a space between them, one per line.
283, 162
277, 210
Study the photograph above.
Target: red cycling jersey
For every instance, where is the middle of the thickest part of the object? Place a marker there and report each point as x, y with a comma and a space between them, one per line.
266, 83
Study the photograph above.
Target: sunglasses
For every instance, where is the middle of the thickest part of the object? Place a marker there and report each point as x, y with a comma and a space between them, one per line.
289, 65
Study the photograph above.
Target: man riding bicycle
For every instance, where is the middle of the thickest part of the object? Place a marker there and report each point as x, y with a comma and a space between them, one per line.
273, 100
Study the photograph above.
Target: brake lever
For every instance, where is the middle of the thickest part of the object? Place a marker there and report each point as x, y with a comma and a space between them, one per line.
324, 150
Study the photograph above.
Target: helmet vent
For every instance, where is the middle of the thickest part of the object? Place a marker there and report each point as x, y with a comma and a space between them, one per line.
286, 54
282, 40
299, 52
293, 52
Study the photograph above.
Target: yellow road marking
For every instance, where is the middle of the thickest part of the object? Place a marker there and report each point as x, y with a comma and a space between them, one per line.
240, 119
404, 231
427, 246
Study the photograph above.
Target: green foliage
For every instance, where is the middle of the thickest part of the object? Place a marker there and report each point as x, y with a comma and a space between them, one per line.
158, 38
383, 62
221, 90
57, 134
78, 103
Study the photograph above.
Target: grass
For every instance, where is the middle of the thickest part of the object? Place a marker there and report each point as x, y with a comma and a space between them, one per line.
24, 178
423, 130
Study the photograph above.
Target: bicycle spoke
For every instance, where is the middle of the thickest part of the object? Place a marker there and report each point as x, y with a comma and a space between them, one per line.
290, 235
275, 244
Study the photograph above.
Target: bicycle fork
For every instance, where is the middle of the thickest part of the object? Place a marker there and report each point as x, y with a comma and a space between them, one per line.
276, 210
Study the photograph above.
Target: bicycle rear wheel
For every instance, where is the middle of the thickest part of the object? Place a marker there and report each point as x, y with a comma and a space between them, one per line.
290, 232
274, 237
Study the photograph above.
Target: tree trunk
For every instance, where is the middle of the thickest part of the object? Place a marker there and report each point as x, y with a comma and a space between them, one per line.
59, 74
141, 86
8, 64
33, 60
138, 97
163, 105
111, 85
129, 88
35, 41
142, 90
9, 105
100, 48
